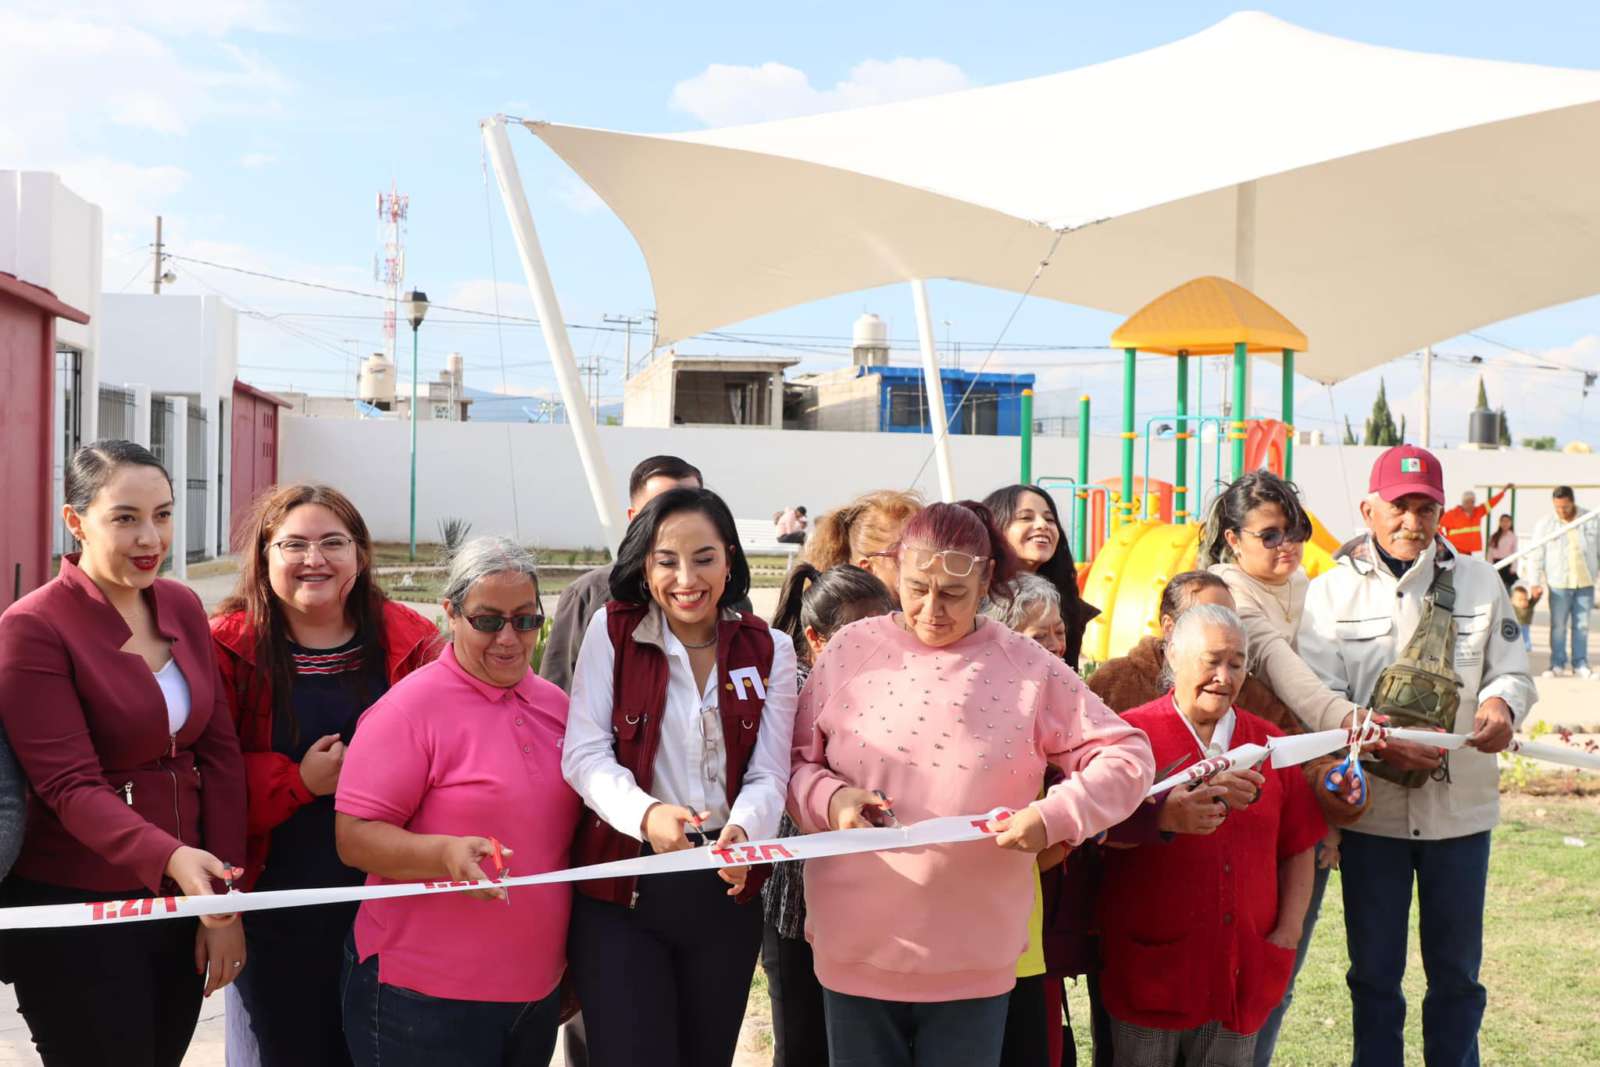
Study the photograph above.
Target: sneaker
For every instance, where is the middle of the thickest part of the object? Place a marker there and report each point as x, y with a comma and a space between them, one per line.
1584, 672
1550, 672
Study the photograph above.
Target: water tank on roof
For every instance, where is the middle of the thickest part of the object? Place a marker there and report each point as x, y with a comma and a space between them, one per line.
1483, 428
377, 381
870, 342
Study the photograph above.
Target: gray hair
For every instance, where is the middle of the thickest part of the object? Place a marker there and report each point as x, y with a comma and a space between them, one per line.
1028, 592
1189, 627
482, 557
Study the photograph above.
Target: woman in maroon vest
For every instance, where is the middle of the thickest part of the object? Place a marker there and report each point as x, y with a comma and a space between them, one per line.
110, 696
678, 736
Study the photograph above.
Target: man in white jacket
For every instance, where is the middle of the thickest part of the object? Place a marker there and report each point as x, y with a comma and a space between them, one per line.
1358, 619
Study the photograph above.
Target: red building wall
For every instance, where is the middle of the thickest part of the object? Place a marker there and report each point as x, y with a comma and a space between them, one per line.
27, 366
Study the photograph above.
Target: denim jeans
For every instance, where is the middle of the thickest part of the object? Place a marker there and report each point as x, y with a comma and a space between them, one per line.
1573, 604
1267, 1036
395, 1027
865, 1032
1377, 874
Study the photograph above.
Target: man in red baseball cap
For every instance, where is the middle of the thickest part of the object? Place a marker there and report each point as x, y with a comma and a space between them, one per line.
1406, 501
1430, 828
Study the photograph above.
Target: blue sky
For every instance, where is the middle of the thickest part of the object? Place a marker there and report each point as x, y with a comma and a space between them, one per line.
262, 130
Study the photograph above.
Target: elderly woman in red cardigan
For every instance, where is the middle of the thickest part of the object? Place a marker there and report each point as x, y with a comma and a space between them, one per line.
1200, 931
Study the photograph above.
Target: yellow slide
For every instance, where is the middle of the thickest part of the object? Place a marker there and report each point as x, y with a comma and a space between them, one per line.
1133, 567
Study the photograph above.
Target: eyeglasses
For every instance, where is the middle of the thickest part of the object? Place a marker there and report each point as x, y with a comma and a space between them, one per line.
711, 762
1273, 536
296, 549
955, 564
493, 624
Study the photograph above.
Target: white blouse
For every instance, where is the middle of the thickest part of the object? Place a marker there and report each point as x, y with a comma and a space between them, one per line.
685, 772
175, 688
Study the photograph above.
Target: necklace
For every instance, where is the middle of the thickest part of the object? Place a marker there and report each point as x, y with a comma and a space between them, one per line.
706, 644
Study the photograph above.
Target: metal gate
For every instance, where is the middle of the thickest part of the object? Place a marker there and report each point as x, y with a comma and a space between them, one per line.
162, 432
116, 414
69, 435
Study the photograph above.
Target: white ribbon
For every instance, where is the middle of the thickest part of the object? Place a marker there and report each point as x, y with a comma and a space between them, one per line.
947, 830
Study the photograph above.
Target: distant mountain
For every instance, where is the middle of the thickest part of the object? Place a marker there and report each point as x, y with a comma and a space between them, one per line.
489, 406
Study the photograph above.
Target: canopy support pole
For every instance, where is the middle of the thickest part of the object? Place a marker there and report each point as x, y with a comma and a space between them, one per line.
554, 328
1427, 397
935, 391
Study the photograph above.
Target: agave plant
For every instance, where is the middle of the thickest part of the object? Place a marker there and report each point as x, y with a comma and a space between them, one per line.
452, 535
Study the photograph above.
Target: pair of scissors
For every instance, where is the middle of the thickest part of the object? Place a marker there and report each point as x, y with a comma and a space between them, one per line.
1350, 766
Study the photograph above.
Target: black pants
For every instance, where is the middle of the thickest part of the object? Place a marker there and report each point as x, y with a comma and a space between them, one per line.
799, 1028
1027, 1038
290, 984
664, 982
127, 995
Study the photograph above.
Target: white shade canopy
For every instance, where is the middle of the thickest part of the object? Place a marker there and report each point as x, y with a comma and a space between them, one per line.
1381, 199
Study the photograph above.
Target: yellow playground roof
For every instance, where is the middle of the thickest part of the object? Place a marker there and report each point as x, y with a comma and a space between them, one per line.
1207, 317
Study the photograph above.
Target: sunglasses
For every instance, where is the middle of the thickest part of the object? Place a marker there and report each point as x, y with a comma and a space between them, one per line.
1273, 536
493, 624
955, 564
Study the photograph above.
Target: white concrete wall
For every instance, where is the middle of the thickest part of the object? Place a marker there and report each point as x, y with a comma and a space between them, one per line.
647, 396
177, 343
51, 237
469, 470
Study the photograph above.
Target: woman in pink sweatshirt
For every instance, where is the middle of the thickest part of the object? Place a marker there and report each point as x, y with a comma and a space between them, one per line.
936, 711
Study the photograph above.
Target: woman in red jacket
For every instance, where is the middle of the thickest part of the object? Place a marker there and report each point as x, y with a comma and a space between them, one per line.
306, 644
109, 694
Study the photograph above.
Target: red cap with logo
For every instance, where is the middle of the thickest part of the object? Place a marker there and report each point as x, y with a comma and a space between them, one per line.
1407, 469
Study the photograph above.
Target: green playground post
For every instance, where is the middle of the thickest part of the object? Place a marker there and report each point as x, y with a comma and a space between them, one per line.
1080, 506
1236, 424
1027, 437
1180, 486
1128, 357
1288, 414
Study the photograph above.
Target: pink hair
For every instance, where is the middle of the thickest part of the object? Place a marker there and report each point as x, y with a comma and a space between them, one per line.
965, 526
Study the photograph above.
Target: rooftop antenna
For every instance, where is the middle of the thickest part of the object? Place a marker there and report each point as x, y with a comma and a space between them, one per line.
389, 264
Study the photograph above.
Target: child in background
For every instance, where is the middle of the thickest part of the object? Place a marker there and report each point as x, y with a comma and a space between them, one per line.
1523, 604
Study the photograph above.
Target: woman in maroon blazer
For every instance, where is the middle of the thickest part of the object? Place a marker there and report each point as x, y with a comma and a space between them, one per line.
109, 693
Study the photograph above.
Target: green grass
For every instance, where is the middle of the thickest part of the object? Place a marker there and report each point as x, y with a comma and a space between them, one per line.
1541, 956
1541, 952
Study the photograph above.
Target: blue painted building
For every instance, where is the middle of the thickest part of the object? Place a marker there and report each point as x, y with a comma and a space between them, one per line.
988, 404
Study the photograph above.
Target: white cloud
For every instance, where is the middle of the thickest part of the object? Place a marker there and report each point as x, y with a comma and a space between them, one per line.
581, 199
208, 18
111, 73
256, 160
479, 294
726, 95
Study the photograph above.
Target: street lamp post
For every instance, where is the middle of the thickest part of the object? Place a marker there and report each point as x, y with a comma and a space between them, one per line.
417, 308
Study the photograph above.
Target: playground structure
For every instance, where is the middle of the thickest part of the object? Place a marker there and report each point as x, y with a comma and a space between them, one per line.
1130, 535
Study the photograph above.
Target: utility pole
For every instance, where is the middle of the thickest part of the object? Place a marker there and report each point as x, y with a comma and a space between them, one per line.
155, 275
589, 370
1427, 397
627, 351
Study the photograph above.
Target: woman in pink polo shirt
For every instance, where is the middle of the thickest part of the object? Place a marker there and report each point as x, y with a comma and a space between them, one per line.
945, 713
458, 756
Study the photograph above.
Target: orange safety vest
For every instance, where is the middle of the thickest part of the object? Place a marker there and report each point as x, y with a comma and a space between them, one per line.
1464, 529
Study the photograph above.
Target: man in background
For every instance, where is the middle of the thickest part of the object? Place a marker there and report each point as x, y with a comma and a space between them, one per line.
1567, 567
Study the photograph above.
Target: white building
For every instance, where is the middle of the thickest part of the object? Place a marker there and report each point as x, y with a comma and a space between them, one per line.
679, 390
183, 346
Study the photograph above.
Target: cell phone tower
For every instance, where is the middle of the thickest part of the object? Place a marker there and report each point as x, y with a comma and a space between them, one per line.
389, 264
